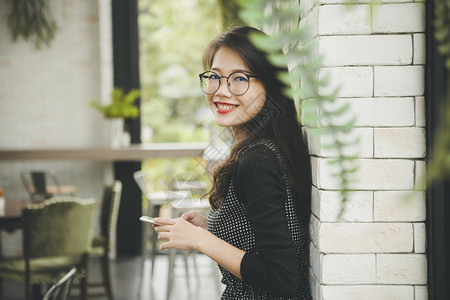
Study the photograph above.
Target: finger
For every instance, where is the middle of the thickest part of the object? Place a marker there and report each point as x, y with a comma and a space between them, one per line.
188, 215
164, 246
163, 228
164, 221
163, 236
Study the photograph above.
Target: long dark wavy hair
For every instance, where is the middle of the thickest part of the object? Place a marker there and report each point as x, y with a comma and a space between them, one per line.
277, 120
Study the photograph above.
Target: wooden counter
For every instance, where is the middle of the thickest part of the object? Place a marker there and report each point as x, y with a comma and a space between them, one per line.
136, 152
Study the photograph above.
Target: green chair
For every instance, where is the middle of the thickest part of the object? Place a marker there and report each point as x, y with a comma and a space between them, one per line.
101, 245
57, 235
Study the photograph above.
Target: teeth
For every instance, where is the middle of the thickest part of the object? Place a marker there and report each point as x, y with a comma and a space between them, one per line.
225, 106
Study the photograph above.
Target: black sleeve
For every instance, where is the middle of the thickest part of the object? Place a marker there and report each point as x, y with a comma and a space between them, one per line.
260, 186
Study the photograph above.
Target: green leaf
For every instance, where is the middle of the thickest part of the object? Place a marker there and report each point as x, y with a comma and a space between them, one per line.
121, 105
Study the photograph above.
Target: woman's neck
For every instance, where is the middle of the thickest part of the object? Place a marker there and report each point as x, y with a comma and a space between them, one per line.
239, 133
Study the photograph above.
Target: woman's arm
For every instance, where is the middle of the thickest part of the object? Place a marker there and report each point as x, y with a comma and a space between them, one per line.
260, 187
181, 234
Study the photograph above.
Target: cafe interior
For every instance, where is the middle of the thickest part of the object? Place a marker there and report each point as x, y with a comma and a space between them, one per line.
72, 190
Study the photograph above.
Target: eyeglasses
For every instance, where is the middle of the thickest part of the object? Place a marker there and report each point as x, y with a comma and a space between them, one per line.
237, 82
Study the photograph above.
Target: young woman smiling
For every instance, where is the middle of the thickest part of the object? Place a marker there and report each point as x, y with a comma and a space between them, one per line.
257, 229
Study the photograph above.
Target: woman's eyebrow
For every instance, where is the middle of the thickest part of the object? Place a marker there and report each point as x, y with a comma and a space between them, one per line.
232, 71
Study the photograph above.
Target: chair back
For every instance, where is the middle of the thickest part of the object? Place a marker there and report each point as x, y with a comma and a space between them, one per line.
36, 181
110, 209
58, 227
61, 290
141, 179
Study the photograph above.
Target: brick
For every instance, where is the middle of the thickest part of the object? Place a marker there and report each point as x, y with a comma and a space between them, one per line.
315, 170
401, 269
348, 269
314, 229
368, 292
387, 81
379, 174
420, 175
351, 81
419, 237
399, 206
365, 238
315, 258
310, 113
341, 1
310, 20
344, 19
399, 142
420, 112
4, 63
314, 286
359, 142
398, 18
366, 50
385, 112
419, 49
420, 292
308, 5
315, 201
327, 206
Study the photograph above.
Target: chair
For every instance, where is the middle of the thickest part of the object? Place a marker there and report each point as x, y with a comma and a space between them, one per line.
57, 235
61, 289
44, 184
155, 200
180, 199
101, 245
180, 206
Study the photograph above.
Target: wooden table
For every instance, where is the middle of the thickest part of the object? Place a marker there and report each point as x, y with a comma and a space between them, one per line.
11, 219
135, 152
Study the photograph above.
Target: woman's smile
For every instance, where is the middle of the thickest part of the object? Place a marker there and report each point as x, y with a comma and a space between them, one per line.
224, 108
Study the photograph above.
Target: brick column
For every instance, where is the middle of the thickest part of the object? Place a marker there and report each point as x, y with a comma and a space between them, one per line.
377, 250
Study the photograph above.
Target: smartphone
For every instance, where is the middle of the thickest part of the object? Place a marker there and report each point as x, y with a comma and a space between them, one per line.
148, 219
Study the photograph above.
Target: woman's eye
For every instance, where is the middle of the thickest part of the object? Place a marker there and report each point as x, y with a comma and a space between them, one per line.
213, 77
240, 78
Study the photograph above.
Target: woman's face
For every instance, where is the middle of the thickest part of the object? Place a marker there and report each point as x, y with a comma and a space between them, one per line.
228, 109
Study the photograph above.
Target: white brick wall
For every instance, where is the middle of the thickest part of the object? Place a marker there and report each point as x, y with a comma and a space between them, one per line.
45, 94
377, 249
368, 292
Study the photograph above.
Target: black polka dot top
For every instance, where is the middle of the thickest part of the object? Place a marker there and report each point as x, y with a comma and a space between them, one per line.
258, 216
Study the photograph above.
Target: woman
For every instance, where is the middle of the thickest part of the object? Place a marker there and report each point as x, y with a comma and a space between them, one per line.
257, 230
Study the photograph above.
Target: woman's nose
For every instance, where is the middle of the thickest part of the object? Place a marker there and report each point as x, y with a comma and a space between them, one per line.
223, 88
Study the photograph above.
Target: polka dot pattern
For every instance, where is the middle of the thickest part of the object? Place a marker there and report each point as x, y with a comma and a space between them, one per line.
230, 223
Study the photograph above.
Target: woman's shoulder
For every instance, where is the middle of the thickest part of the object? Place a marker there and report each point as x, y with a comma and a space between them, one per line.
261, 148
262, 152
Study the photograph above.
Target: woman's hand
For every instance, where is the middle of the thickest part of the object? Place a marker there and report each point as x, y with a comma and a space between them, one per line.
179, 233
188, 233
196, 219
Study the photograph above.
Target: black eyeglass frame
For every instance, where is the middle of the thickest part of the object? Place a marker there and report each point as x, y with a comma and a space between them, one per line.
228, 84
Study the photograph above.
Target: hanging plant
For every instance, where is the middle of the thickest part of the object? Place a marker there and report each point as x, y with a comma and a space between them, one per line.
293, 46
32, 20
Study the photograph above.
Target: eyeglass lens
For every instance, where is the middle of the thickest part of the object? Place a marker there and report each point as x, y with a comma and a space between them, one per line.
238, 82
